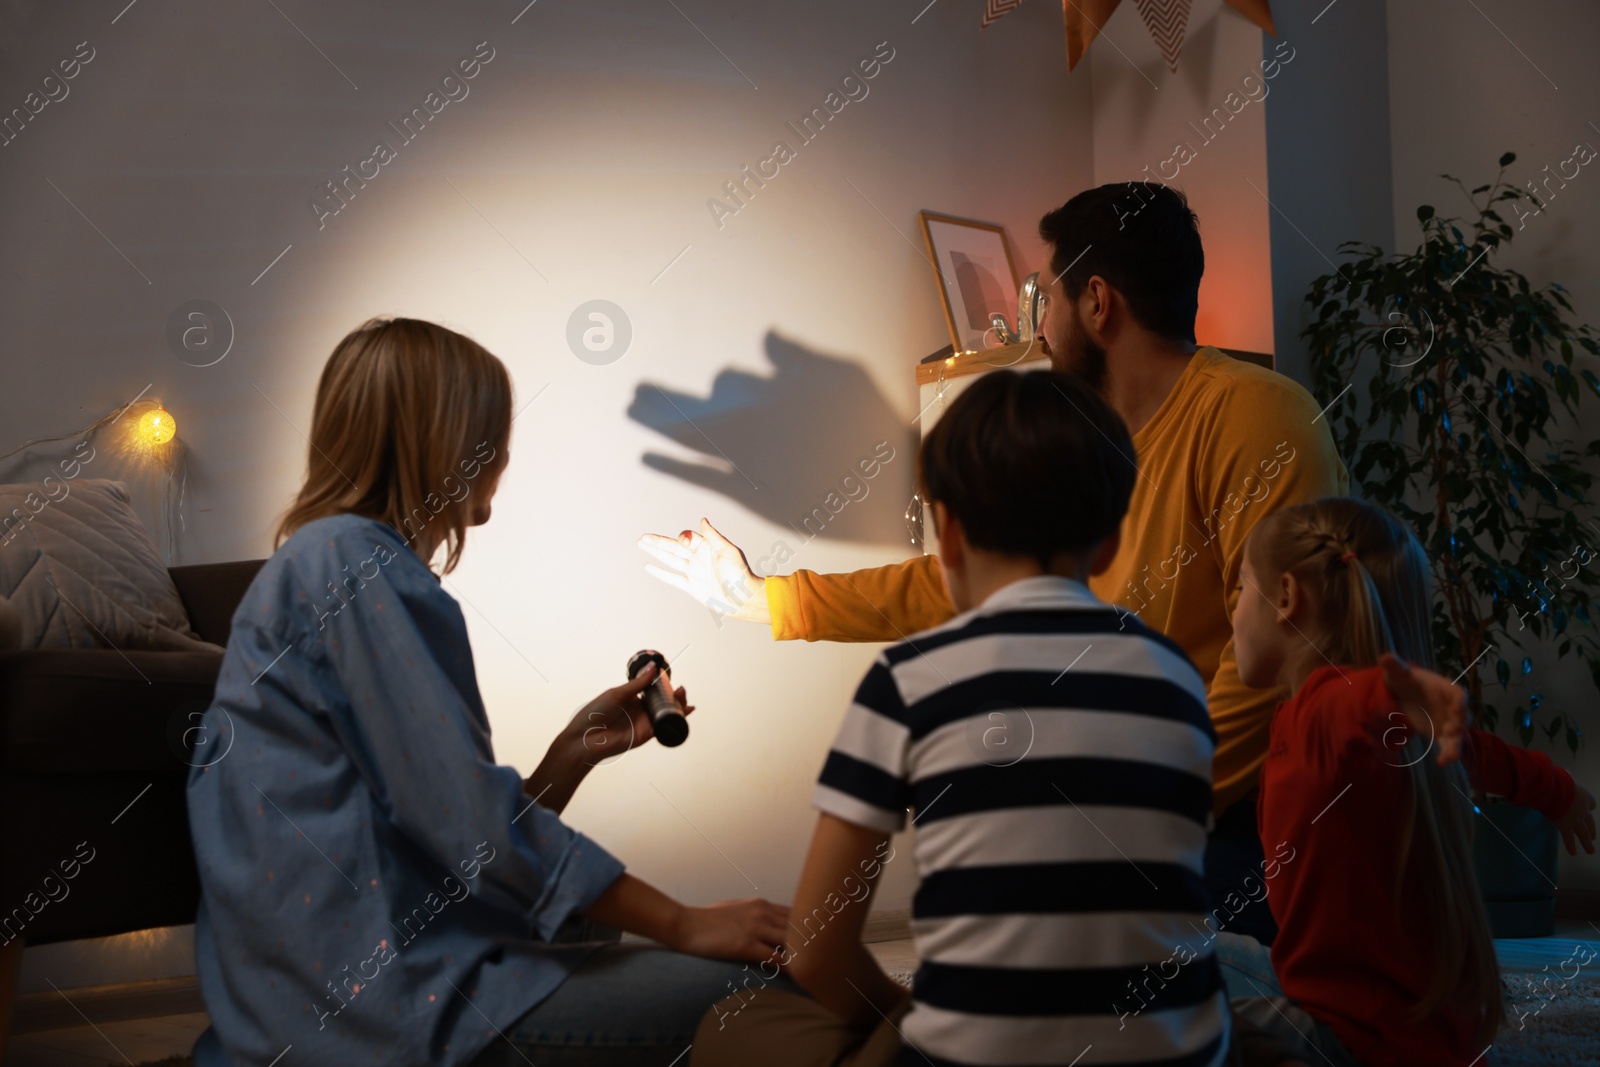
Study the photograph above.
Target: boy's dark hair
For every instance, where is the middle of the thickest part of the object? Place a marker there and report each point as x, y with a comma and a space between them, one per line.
1140, 237
1030, 464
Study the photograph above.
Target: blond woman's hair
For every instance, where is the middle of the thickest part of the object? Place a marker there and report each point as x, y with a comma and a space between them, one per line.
408, 415
1368, 579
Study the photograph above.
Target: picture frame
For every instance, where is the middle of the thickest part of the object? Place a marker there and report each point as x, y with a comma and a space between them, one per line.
973, 281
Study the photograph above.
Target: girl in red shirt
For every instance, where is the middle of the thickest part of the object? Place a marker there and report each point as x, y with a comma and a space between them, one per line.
1384, 954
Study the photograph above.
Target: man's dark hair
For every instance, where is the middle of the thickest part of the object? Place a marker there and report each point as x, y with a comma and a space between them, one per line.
1141, 238
1030, 464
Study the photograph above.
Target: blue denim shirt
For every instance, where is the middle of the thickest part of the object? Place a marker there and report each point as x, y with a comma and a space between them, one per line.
376, 889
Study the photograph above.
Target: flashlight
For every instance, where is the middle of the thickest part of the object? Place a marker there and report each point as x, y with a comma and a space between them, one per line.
671, 728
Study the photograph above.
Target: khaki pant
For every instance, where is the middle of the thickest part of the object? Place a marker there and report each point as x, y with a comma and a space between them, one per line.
778, 1029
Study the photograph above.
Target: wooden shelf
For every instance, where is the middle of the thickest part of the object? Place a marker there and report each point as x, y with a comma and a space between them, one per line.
964, 363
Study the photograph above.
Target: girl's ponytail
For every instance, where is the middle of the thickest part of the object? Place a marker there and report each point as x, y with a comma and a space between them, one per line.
1368, 634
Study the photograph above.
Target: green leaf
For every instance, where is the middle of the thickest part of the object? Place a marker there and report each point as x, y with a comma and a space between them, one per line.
1424, 213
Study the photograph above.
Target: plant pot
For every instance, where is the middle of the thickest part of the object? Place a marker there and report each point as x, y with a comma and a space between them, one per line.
1515, 852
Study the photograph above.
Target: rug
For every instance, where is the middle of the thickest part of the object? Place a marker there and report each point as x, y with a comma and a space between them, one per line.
1558, 1023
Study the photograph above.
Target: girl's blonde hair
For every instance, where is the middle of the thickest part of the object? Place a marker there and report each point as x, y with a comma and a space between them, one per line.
408, 415
1369, 579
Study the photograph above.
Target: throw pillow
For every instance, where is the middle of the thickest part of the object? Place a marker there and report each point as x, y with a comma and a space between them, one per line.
77, 564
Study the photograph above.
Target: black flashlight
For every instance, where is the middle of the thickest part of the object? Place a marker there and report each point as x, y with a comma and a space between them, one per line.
671, 728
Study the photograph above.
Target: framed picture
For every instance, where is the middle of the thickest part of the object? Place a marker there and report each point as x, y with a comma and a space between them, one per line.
976, 277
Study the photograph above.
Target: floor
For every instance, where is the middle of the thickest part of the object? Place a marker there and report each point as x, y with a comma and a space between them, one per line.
134, 1041
139, 1041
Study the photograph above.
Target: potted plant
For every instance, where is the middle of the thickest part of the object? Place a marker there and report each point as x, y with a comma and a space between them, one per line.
1466, 374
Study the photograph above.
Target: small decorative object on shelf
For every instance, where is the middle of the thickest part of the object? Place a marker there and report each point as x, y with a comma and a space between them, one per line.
1001, 328
1030, 305
1029, 302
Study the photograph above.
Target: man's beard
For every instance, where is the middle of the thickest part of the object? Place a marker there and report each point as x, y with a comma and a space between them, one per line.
1083, 357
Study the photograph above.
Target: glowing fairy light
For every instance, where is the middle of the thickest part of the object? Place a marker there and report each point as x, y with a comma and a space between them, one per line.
158, 426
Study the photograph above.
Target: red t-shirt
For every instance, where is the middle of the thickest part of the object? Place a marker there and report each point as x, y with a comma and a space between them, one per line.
1331, 788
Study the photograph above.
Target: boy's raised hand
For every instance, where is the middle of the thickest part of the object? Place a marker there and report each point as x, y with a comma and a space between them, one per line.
710, 568
1430, 701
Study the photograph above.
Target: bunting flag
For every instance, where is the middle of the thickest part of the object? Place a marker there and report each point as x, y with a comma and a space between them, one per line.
1167, 20
993, 9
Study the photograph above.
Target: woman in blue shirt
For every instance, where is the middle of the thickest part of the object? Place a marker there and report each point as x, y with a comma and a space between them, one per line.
376, 888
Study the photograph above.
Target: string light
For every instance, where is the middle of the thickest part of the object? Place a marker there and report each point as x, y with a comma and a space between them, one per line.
157, 426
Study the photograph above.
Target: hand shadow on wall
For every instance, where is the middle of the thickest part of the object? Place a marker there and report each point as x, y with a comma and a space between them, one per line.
789, 447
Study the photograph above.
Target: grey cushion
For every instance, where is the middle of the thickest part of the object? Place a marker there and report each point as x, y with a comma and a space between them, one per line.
77, 564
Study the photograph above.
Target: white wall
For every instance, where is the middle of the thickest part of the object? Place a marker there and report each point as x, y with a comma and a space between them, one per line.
1328, 157
1467, 87
587, 148
1150, 125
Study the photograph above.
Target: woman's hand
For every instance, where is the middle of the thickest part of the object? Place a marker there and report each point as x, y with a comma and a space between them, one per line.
1430, 702
751, 930
1577, 825
606, 727
616, 721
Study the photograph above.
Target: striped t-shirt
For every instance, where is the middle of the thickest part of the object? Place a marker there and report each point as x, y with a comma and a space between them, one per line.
1056, 757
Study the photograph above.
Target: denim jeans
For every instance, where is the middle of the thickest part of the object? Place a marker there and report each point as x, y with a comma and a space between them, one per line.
634, 1004
1269, 1024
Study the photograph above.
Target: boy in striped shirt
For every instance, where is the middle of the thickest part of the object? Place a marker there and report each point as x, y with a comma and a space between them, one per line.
1054, 756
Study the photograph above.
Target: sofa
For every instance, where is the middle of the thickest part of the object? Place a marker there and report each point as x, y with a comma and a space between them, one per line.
95, 748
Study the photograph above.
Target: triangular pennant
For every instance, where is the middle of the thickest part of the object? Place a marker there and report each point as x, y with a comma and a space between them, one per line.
1084, 19
1166, 20
993, 9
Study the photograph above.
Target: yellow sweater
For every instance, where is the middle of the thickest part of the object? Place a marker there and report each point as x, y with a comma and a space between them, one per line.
1231, 442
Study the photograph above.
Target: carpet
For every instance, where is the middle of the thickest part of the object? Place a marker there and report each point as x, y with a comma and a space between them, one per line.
1548, 1022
